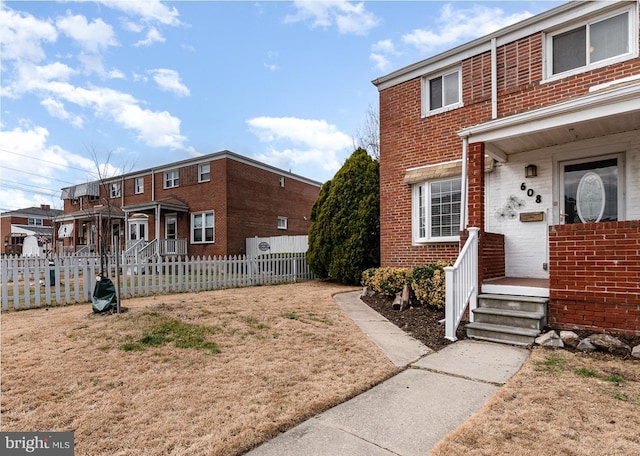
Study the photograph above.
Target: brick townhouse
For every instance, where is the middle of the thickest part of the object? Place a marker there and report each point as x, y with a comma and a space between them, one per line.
204, 206
532, 135
17, 225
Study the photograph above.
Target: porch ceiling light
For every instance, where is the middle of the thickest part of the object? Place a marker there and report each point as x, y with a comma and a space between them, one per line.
530, 171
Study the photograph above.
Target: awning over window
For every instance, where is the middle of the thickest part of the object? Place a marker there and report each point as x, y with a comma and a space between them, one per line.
440, 171
65, 230
88, 189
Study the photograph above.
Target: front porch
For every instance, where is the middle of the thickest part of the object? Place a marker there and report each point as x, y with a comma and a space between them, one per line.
593, 284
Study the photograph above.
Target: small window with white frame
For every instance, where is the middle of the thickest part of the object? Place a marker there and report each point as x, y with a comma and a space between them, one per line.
441, 92
114, 190
202, 228
282, 223
138, 185
594, 43
171, 178
35, 221
282, 181
204, 172
436, 211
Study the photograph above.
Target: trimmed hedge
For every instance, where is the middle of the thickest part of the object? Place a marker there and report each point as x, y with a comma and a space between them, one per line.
427, 282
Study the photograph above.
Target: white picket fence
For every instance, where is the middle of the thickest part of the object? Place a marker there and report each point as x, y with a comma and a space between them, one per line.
35, 282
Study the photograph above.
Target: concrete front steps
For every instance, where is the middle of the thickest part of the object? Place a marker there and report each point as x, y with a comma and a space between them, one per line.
508, 319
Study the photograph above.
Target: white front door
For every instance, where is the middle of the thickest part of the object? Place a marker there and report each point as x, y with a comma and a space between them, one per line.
171, 232
138, 229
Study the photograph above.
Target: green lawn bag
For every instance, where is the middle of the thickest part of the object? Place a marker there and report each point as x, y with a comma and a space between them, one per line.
104, 295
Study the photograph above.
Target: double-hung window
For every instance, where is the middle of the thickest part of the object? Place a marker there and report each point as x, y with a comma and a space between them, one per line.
202, 228
138, 185
436, 211
171, 178
204, 172
35, 221
114, 190
441, 92
282, 223
591, 44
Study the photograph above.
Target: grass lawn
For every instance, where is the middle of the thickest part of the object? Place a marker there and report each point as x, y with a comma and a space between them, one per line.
210, 373
559, 403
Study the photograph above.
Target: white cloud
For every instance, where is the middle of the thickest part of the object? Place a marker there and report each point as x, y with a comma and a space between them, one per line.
153, 36
148, 10
156, 129
31, 168
169, 80
56, 109
346, 16
91, 36
381, 51
23, 35
295, 143
461, 24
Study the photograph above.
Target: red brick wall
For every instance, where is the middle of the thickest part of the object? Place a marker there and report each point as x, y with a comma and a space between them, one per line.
490, 254
408, 140
256, 200
594, 274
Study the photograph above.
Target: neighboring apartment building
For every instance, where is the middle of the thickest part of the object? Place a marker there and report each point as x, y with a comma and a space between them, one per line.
204, 206
532, 135
17, 225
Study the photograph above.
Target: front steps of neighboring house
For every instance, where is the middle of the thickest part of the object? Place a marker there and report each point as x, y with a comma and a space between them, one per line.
508, 319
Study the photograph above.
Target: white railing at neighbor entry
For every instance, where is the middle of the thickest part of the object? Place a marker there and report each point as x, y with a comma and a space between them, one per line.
462, 285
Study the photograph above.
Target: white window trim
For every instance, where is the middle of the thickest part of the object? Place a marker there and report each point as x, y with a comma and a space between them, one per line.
415, 214
200, 179
425, 91
138, 190
173, 180
284, 225
191, 227
37, 221
633, 45
115, 190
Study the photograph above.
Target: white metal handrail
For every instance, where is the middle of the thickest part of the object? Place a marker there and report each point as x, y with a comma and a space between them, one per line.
462, 285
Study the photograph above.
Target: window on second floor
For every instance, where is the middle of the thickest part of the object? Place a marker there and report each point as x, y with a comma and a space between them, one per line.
441, 92
282, 223
114, 190
591, 44
436, 211
138, 185
204, 172
171, 178
202, 228
35, 221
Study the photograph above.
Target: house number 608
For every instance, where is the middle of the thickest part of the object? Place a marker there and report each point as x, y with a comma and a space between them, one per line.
530, 192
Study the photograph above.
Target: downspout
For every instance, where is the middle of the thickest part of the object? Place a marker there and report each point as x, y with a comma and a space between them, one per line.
464, 197
494, 79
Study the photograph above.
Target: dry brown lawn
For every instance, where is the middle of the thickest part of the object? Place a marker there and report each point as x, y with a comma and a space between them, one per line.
560, 403
258, 361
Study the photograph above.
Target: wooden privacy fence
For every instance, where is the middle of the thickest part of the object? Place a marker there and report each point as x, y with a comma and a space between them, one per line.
34, 282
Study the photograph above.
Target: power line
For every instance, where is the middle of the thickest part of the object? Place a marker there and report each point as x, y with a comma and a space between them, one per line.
44, 161
39, 175
22, 188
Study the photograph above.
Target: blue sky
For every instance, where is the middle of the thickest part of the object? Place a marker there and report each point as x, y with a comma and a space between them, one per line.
136, 84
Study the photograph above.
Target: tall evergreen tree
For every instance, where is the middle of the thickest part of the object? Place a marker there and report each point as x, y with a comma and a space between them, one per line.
344, 238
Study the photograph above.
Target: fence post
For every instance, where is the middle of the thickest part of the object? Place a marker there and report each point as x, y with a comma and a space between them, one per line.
449, 317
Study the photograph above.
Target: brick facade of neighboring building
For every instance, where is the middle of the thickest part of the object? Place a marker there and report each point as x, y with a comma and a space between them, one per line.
245, 197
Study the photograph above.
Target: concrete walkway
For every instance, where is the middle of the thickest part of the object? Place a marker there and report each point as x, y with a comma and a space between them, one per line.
409, 413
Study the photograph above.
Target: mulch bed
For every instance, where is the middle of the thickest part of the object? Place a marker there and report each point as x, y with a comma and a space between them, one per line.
423, 323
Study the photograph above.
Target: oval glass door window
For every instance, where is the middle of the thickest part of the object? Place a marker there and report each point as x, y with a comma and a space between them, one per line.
590, 198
